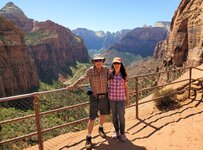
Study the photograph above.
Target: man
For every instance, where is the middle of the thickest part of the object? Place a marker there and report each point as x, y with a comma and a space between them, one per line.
98, 79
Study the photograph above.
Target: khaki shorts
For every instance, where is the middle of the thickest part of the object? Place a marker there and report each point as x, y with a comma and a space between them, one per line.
99, 103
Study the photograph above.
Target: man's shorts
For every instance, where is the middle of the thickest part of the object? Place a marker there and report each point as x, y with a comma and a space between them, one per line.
99, 103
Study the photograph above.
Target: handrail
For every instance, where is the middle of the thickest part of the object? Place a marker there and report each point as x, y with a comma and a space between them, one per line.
17, 119
21, 96
64, 108
198, 68
151, 74
162, 85
18, 138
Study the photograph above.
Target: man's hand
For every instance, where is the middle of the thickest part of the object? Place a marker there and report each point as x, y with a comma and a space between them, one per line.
70, 87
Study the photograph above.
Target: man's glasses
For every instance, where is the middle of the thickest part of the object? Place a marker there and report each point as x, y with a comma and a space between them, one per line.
116, 63
98, 60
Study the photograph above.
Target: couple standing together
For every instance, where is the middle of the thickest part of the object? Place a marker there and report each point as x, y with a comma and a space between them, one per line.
107, 86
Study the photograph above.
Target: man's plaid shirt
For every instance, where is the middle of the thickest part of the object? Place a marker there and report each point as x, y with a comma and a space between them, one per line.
98, 79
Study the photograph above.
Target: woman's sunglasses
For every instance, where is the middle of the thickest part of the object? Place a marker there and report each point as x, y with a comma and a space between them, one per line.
116, 63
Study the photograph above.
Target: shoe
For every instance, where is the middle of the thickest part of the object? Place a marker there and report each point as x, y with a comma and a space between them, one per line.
101, 132
123, 138
88, 143
116, 136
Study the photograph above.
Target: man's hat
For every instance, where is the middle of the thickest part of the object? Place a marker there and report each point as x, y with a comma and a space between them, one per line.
98, 57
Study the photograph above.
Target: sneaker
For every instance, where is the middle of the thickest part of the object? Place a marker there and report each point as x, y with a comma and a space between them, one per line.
101, 132
123, 138
88, 143
116, 136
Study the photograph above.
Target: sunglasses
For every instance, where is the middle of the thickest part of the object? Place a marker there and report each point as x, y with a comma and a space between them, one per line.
116, 63
98, 60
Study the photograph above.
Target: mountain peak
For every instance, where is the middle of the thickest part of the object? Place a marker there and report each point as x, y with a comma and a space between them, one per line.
10, 7
10, 4
162, 24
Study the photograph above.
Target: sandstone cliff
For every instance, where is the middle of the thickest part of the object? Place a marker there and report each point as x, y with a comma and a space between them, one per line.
185, 40
18, 73
55, 48
184, 44
141, 41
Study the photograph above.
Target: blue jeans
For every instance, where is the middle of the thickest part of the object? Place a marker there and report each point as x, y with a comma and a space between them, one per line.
118, 115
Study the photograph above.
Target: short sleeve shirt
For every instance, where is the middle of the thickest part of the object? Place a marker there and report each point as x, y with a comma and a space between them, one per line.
116, 89
98, 79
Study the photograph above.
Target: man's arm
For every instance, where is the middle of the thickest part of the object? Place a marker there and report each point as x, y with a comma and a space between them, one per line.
78, 82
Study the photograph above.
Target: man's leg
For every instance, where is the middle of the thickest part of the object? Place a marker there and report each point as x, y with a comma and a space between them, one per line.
92, 115
104, 110
102, 119
101, 129
90, 126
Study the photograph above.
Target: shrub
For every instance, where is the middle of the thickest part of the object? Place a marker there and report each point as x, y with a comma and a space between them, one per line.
165, 99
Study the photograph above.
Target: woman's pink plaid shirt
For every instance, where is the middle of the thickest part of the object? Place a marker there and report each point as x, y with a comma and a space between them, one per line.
116, 88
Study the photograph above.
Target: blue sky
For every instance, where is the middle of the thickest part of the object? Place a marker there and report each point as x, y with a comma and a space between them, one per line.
106, 15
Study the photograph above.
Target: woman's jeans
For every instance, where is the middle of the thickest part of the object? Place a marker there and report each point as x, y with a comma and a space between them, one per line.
118, 115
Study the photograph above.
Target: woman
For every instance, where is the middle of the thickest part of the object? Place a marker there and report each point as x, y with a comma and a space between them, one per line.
118, 96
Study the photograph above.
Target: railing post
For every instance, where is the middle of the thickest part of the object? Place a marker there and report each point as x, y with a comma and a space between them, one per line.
38, 124
137, 97
190, 81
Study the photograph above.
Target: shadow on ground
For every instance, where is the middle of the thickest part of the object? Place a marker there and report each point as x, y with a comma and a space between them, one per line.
148, 122
111, 144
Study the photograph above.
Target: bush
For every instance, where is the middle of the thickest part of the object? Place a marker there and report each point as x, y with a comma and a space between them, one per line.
165, 99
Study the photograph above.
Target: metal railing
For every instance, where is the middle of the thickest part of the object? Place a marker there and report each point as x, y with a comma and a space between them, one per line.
135, 91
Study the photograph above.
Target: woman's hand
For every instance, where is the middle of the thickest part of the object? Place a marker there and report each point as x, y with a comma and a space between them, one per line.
127, 102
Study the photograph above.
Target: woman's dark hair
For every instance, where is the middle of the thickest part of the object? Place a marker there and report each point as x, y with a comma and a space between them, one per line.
122, 70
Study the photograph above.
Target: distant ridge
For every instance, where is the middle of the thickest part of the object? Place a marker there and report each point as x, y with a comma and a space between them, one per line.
99, 39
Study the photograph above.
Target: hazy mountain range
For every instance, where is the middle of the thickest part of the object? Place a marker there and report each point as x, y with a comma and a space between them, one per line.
139, 41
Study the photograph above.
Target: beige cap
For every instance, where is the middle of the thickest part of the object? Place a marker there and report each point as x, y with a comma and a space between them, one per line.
117, 59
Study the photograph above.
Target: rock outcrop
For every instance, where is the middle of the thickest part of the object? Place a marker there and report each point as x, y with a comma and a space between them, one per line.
18, 73
141, 41
15, 14
185, 40
55, 48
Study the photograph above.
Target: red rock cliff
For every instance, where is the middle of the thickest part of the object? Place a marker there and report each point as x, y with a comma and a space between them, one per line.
18, 73
185, 40
55, 48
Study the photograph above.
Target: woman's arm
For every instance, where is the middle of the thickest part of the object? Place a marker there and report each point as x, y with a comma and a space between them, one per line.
126, 92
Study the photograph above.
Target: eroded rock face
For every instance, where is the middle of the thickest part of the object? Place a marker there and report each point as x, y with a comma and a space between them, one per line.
18, 73
141, 41
160, 49
55, 48
185, 40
